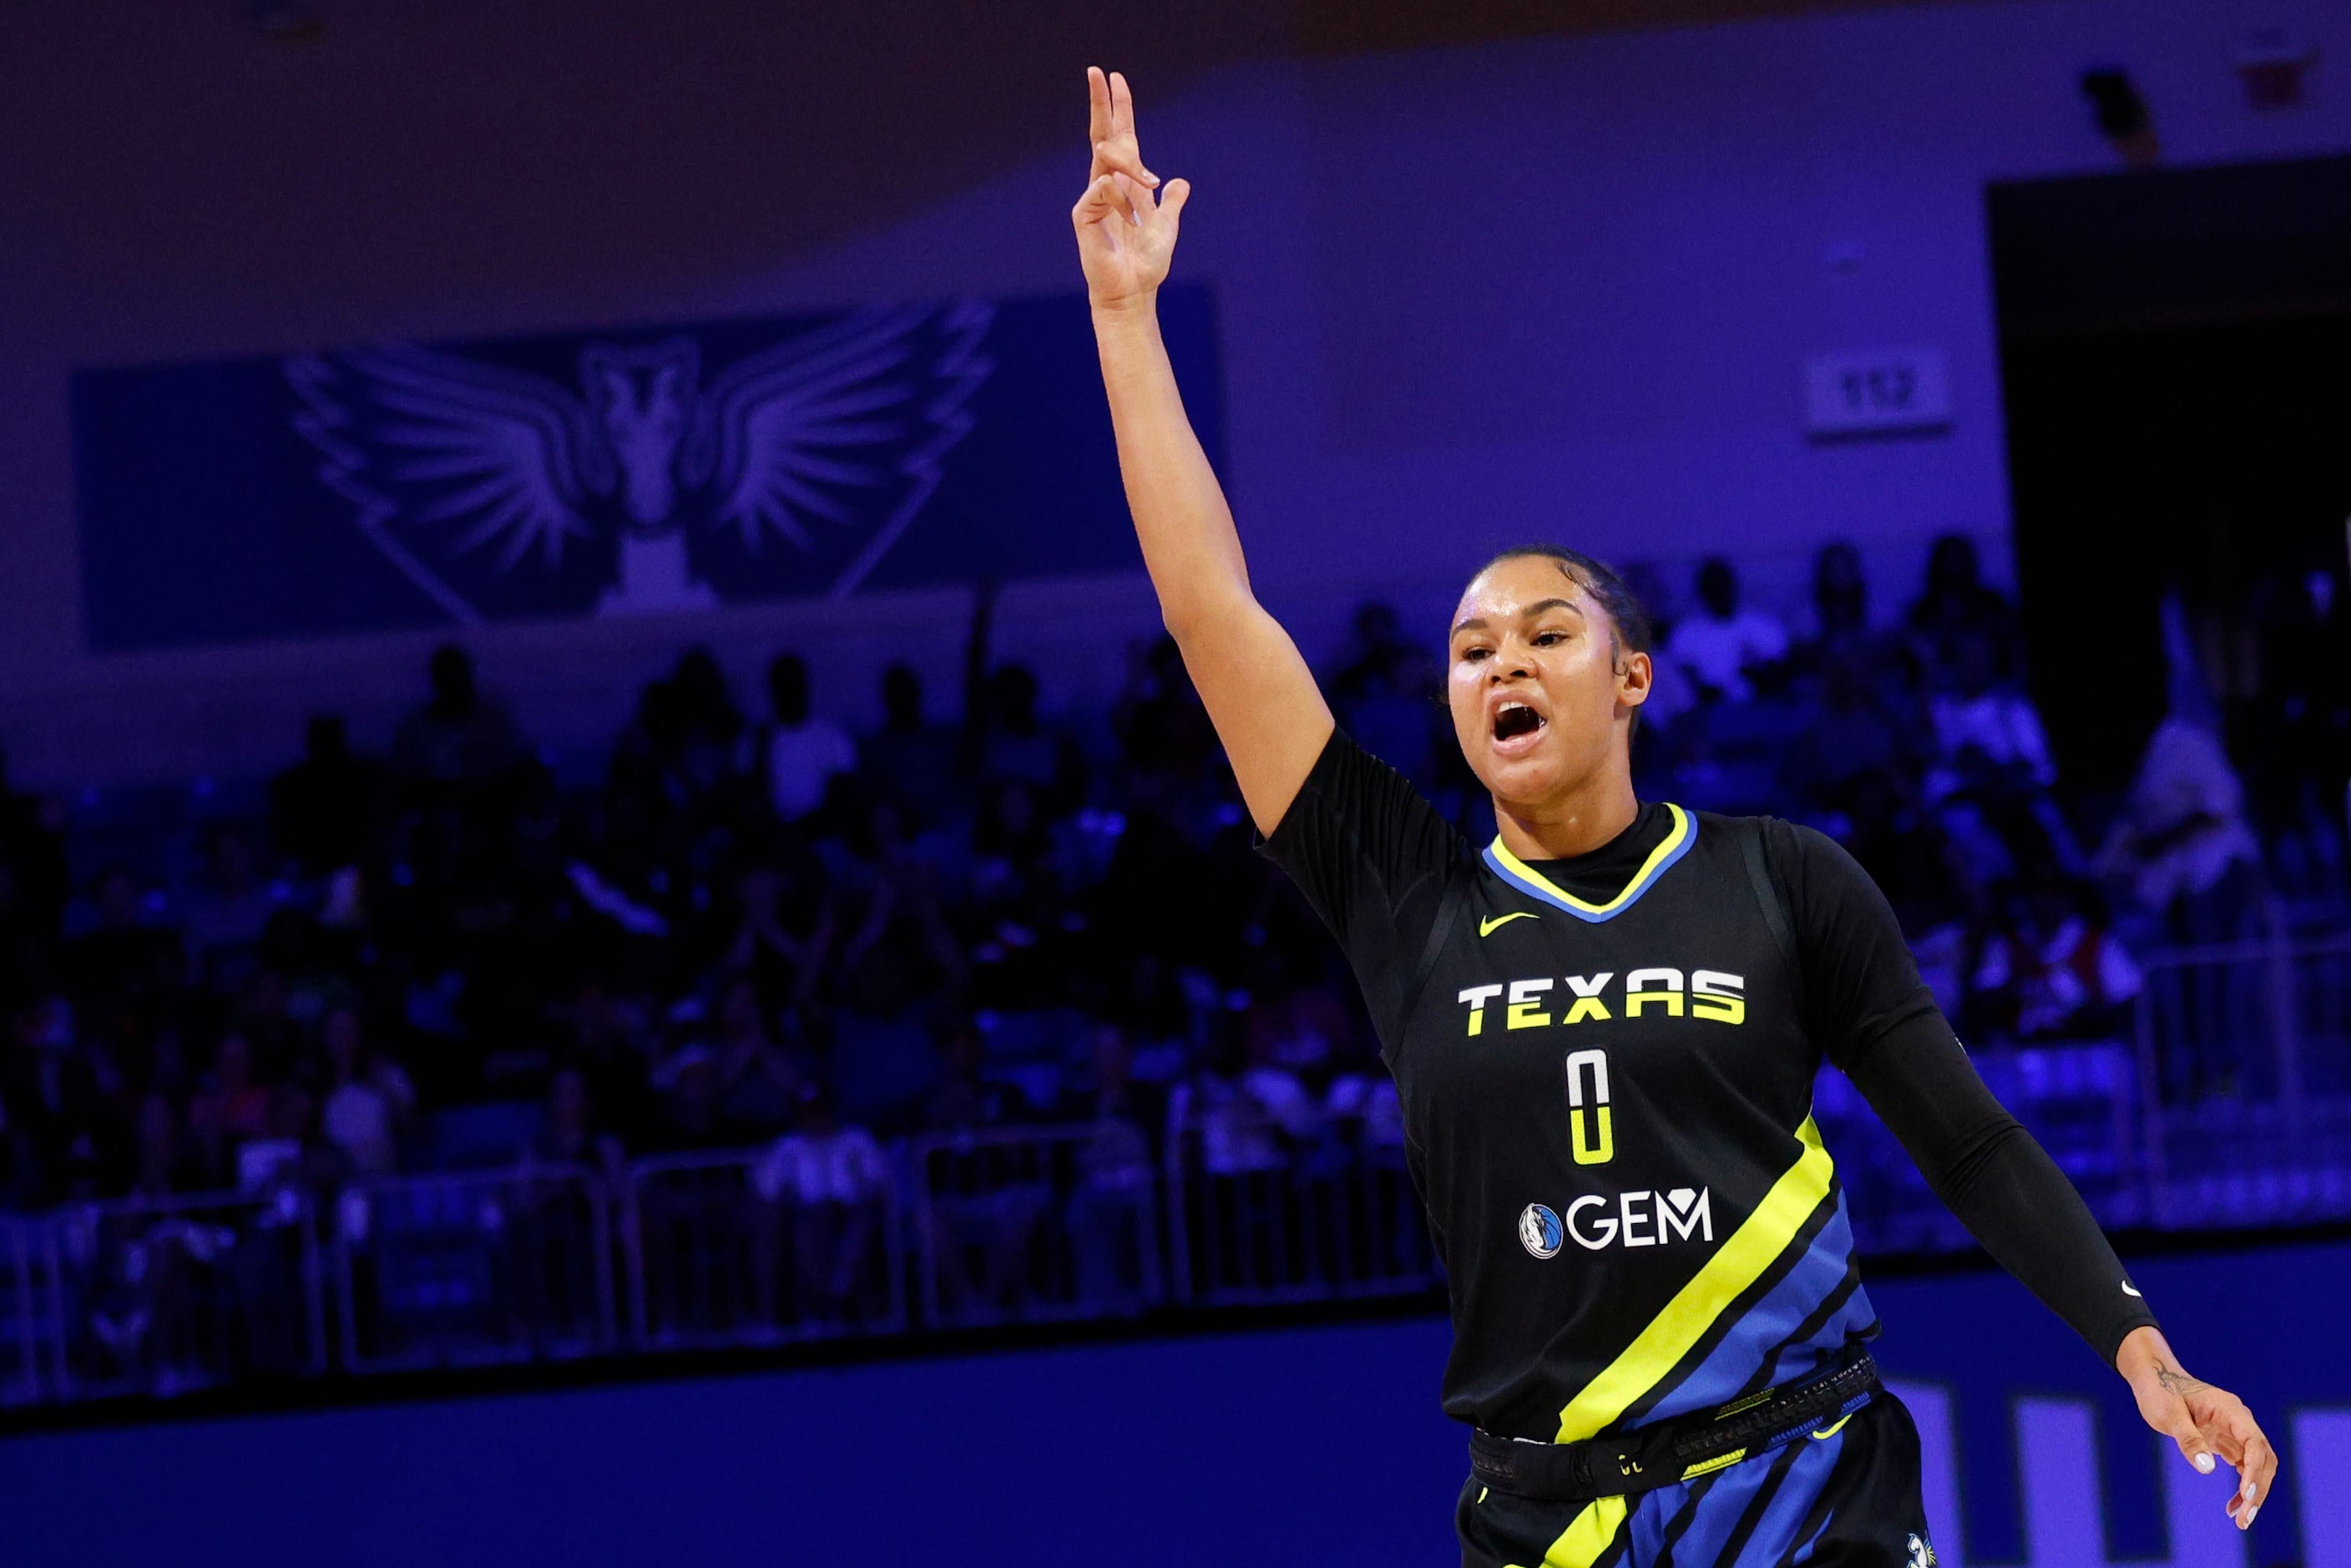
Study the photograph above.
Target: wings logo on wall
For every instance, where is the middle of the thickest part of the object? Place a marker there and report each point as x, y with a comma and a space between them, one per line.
654, 481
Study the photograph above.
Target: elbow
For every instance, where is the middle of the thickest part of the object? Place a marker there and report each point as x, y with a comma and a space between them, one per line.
1196, 618
1183, 621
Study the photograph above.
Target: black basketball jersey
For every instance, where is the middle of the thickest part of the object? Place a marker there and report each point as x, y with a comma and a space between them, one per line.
1606, 1069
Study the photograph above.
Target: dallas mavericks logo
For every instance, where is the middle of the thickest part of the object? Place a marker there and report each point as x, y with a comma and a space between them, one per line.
652, 480
1539, 1231
1921, 1554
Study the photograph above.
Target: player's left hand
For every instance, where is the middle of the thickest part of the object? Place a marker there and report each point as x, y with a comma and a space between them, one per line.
2204, 1420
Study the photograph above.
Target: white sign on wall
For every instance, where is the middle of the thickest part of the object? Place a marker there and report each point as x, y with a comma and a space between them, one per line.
1878, 392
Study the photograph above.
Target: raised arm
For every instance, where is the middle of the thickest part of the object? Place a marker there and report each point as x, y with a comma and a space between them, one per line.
1259, 691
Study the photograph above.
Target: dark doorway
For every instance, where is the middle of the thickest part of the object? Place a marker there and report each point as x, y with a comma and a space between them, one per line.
2176, 361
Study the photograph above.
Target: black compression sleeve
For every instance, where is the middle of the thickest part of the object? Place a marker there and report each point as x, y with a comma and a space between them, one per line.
1998, 1179
1876, 1018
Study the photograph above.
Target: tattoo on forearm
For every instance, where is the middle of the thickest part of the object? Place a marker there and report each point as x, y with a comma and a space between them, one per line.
2178, 1382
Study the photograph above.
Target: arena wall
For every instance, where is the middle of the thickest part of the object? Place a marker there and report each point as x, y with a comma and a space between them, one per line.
1549, 288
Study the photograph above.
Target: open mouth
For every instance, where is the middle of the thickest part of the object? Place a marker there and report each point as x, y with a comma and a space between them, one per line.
1513, 720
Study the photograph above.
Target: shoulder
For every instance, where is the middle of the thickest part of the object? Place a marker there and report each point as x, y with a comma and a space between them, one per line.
1349, 786
1798, 857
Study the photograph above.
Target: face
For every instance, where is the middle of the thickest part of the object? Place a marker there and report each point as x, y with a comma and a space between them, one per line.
1541, 699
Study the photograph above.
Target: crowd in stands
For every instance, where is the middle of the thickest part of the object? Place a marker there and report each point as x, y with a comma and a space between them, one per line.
761, 931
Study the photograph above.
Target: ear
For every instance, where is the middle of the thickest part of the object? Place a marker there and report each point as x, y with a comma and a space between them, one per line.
1635, 677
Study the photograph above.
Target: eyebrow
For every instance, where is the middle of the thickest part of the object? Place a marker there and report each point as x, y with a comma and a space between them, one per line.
1477, 623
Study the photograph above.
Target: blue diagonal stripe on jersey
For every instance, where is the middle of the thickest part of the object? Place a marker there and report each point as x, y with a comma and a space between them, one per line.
1730, 1369
1728, 1494
1790, 1506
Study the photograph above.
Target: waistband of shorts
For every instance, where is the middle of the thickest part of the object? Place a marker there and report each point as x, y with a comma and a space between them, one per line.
1680, 1449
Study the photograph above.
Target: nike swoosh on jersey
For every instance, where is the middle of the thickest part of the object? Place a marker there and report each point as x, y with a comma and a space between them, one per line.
2129, 1289
1486, 927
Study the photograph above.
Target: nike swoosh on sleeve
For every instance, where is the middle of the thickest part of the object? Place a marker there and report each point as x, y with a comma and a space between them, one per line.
2130, 1289
1486, 927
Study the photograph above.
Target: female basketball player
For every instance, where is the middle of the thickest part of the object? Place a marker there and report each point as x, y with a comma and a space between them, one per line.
1604, 1030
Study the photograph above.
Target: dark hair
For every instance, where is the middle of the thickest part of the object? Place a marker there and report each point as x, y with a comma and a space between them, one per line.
1628, 618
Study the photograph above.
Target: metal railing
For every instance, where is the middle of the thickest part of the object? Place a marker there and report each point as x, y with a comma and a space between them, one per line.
484, 1267
2244, 1083
31, 1343
1035, 1225
2232, 1105
1248, 1223
169, 1295
743, 1248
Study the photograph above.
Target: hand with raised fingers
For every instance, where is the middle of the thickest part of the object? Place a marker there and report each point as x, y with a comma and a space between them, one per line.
2209, 1424
1126, 222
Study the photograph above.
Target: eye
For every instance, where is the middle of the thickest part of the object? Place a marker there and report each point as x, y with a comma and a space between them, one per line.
1545, 638
1472, 655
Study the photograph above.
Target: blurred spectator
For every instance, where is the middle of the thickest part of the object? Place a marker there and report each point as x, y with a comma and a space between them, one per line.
606, 1047
713, 726
459, 737
1670, 692
1851, 736
1958, 611
64, 1127
964, 1098
2300, 734
1724, 649
2182, 846
832, 1178
31, 858
166, 1160
978, 926
786, 927
571, 1134
884, 1060
907, 760
1840, 605
125, 954
288, 1154
2054, 971
1159, 721
760, 1082
1250, 1112
1390, 696
1015, 744
232, 1107
228, 912
803, 753
694, 1101
1109, 1216
1997, 725
1297, 1023
327, 810
370, 1103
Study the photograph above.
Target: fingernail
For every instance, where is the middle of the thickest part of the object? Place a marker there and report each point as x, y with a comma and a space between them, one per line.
2203, 1462
2245, 1520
